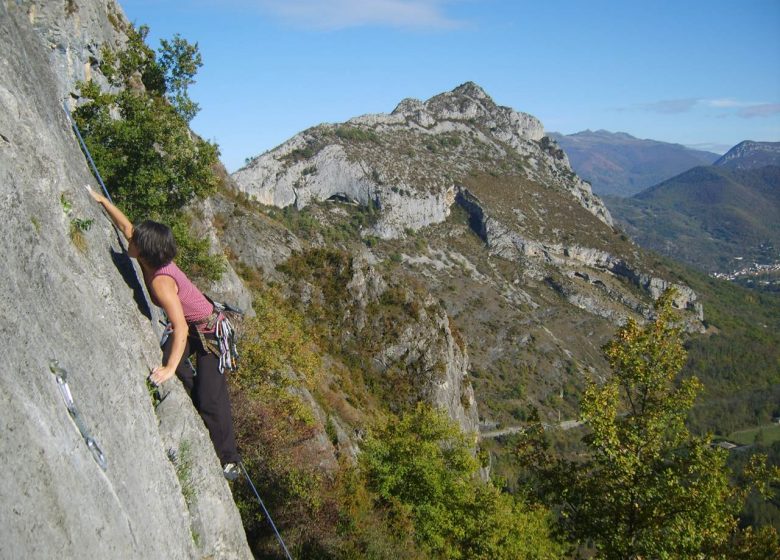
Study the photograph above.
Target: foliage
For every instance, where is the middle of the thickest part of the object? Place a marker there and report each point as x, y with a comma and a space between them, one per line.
151, 163
276, 353
422, 466
738, 359
356, 134
708, 217
193, 252
182, 462
329, 270
78, 226
646, 488
308, 223
271, 419
179, 62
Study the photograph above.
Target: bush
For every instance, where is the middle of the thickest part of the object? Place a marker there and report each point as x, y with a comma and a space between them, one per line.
150, 162
422, 465
271, 420
355, 134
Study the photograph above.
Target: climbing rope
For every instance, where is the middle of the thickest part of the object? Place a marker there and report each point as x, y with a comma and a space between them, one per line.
267, 515
86, 150
62, 384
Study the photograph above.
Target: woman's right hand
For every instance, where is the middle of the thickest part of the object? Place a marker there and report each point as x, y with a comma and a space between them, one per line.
94, 194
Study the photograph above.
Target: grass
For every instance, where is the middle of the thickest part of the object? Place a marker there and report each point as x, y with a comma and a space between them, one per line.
182, 462
770, 434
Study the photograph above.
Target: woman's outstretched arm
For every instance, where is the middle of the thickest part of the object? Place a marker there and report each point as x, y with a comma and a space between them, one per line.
116, 215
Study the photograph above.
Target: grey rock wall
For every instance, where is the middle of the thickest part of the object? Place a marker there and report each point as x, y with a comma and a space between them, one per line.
426, 346
73, 34
80, 307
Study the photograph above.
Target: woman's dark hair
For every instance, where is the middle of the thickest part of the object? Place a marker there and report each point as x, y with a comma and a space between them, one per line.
155, 243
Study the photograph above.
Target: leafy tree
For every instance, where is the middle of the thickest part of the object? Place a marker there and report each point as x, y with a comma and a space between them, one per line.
646, 488
150, 161
179, 62
422, 466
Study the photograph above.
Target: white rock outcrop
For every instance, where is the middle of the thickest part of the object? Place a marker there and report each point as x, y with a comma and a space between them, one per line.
447, 136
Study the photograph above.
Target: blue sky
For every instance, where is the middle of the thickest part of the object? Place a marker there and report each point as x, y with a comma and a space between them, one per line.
701, 73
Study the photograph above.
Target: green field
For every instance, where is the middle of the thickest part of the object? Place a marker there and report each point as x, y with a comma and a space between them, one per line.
771, 434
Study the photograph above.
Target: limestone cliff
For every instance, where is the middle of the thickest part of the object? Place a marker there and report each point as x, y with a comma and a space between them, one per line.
74, 297
410, 162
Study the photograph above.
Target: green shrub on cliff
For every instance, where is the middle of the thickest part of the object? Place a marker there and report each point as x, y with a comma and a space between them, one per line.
138, 134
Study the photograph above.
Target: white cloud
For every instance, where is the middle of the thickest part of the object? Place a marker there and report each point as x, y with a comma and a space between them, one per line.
340, 14
715, 147
760, 110
725, 103
670, 106
727, 106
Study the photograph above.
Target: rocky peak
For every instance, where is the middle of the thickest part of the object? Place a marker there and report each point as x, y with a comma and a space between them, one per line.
751, 155
469, 102
411, 162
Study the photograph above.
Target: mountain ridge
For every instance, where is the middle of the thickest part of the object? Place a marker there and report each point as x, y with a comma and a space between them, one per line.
714, 217
617, 163
471, 201
750, 155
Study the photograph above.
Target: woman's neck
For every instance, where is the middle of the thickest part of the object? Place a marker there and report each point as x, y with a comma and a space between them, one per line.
146, 268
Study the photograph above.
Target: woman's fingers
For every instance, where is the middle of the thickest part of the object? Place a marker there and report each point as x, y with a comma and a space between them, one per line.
160, 375
92, 193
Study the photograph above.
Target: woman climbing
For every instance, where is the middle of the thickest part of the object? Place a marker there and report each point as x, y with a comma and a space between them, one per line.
192, 327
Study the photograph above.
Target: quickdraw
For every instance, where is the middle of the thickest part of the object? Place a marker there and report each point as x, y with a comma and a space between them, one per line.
62, 384
226, 337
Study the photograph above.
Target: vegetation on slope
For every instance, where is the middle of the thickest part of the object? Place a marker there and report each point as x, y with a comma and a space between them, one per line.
714, 218
621, 165
644, 486
414, 490
737, 359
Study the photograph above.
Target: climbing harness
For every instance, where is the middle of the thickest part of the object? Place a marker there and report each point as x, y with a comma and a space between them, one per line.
267, 515
223, 345
86, 150
62, 384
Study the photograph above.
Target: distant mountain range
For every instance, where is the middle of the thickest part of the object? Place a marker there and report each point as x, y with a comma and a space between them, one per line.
616, 163
719, 218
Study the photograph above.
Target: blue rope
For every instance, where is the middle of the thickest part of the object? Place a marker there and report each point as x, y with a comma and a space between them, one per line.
86, 150
268, 515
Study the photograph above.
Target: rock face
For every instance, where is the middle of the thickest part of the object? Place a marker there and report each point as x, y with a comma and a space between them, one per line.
409, 162
474, 203
74, 297
74, 33
503, 240
423, 345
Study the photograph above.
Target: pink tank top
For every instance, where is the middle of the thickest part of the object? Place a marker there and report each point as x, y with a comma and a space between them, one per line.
194, 304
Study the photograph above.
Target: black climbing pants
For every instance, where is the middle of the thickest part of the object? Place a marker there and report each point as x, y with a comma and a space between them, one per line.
209, 393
